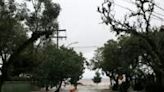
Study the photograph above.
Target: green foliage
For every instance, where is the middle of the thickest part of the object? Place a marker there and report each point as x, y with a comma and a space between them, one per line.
120, 57
138, 24
17, 22
25, 63
97, 78
43, 19
11, 36
59, 64
129, 55
109, 59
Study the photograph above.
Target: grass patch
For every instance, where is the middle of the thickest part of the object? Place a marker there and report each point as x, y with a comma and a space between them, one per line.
16, 86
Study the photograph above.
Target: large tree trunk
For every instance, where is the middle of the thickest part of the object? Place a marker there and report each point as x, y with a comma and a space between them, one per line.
115, 86
1, 83
2, 80
3, 76
160, 81
75, 85
157, 85
47, 88
58, 88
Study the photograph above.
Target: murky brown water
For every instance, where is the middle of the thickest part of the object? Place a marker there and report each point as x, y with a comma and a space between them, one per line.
89, 90
88, 86
93, 90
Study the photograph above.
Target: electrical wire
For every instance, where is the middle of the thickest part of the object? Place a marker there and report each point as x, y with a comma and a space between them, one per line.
159, 7
158, 17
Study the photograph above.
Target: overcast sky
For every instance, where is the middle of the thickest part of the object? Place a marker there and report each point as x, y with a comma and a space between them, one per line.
84, 27
82, 22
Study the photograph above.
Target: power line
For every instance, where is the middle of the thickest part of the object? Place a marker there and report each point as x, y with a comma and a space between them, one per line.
159, 7
130, 2
160, 18
155, 18
123, 7
58, 36
159, 14
86, 47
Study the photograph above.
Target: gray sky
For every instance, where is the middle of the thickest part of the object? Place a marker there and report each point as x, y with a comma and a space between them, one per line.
82, 22
83, 25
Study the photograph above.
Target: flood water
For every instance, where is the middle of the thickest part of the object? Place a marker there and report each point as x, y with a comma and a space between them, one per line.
87, 90
89, 86
90, 90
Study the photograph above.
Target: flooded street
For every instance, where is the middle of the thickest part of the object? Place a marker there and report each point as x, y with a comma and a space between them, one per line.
89, 86
89, 90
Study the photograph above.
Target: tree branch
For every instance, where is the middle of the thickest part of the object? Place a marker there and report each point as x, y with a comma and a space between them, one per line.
35, 36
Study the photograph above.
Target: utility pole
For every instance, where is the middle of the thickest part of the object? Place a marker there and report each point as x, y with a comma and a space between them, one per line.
59, 37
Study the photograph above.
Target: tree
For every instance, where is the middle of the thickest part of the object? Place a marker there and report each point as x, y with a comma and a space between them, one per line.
113, 59
97, 78
110, 60
13, 32
78, 70
140, 27
59, 64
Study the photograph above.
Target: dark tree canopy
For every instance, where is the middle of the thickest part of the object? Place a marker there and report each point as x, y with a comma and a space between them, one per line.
125, 56
138, 24
17, 22
59, 65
